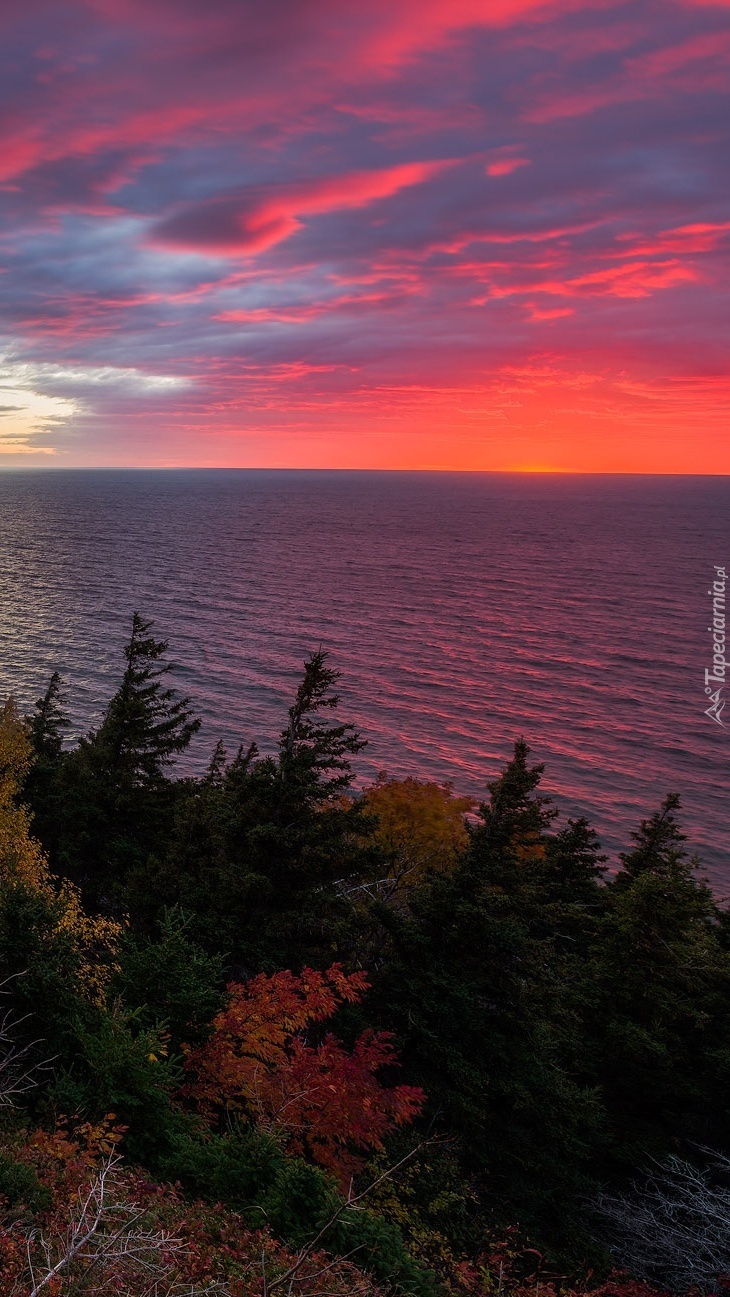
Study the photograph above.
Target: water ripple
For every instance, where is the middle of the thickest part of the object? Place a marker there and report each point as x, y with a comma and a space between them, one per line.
463, 610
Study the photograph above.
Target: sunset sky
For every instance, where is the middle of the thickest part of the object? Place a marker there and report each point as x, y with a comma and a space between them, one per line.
467, 234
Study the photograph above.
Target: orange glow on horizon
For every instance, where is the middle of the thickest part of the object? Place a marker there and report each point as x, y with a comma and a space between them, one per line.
436, 236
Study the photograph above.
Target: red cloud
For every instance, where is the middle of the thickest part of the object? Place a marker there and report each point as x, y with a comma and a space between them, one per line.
557, 312
634, 279
695, 65
230, 228
505, 166
702, 236
167, 104
298, 313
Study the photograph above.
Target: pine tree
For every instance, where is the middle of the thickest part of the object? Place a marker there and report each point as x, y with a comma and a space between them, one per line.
314, 758
305, 840
516, 817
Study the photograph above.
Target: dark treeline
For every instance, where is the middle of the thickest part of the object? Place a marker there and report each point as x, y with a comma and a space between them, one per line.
472, 1001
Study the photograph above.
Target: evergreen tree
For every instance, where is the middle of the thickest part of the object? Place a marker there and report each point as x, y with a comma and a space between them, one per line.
482, 999
313, 768
118, 797
146, 724
664, 987
49, 721
516, 817
268, 848
46, 728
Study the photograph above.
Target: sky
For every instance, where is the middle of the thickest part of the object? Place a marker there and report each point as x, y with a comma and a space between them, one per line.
440, 234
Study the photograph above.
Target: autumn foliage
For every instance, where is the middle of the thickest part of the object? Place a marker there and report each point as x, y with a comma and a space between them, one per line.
142, 1239
24, 865
326, 1101
420, 826
563, 1021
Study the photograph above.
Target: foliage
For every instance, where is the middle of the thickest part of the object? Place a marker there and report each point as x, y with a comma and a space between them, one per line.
168, 980
104, 1229
46, 728
21, 856
662, 983
24, 872
484, 999
115, 801
265, 848
568, 1025
145, 724
326, 1101
420, 826
248, 1170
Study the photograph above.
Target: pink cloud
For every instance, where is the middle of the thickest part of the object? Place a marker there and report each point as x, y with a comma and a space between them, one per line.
230, 228
299, 313
635, 279
702, 236
232, 127
505, 166
19, 153
695, 64
381, 36
545, 235
557, 313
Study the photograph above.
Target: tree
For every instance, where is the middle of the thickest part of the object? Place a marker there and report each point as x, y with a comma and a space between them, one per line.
266, 848
326, 1101
21, 856
49, 721
118, 799
26, 881
420, 826
168, 980
314, 757
46, 729
662, 983
516, 818
482, 998
146, 724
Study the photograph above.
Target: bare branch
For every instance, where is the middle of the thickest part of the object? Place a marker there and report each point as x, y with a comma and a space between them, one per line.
104, 1237
674, 1227
18, 1073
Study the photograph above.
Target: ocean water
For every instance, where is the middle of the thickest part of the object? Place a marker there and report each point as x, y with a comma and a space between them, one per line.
463, 610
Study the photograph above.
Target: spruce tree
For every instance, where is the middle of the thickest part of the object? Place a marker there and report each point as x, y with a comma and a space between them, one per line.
270, 883
47, 725
118, 794
313, 768
663, 983
146, 724
48, 721
481, 995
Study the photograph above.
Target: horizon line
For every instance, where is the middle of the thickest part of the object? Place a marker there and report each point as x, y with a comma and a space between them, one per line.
328, 468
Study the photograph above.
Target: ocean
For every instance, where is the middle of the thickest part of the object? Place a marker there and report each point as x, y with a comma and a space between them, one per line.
464, 610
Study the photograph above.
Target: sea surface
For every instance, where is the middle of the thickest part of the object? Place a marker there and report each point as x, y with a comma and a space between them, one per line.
463, 610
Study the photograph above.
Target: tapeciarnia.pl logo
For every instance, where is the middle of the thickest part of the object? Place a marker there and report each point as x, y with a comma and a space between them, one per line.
715, 679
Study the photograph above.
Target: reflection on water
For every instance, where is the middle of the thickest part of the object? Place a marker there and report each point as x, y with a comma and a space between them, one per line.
463, 610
